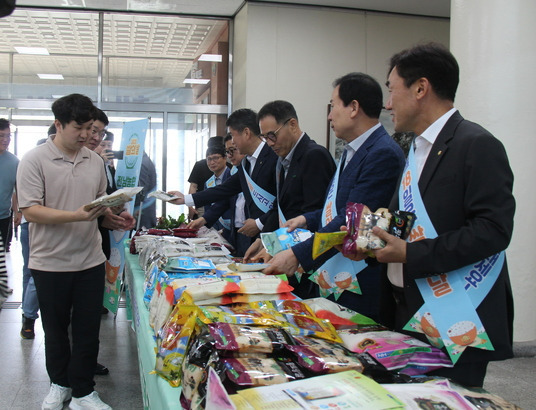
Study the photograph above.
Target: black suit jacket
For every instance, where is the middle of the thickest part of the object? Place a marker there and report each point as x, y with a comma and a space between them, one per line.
466, 186
310, 171
263, 174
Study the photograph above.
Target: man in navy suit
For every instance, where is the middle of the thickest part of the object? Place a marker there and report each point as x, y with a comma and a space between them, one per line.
255, 177
369, 175
465, 183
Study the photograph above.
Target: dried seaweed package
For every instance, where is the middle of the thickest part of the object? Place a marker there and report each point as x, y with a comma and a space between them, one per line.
252, 372
243, 338
322, 356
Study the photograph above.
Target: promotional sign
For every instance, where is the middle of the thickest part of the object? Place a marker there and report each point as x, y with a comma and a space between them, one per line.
126, 175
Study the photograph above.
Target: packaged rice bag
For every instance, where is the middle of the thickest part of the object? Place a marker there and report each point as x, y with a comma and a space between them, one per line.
339, 316
261, 372
174, 340
162, 306
266, 284
360, 220
243, 338
204, 287
299, 325
321, 356
242, 314
151, 279
242, 298
394, 350
190, 264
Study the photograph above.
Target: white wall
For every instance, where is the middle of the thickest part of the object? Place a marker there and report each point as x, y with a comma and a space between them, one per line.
497, 90
294, 53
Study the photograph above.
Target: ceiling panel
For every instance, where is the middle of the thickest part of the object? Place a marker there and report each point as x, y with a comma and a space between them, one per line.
228, 8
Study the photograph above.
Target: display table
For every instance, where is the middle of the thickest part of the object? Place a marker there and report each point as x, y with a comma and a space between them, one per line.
157, 393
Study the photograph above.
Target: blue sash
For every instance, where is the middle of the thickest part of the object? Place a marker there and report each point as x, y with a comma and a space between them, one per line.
338, 273
261, 198
448, 317
211, 183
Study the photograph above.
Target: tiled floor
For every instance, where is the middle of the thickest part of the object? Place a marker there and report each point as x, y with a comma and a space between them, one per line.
23, 378
24, 381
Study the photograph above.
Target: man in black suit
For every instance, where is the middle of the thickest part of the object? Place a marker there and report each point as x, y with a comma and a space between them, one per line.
465, 182
304, 170
255, 177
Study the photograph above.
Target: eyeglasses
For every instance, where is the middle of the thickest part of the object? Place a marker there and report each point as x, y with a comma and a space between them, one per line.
272, 135
230, 151
101, 133
214, 158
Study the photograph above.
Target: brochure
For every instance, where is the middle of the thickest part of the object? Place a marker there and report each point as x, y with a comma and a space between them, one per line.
119, 197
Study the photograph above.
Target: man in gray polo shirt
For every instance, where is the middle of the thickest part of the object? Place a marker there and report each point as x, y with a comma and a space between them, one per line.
56, 180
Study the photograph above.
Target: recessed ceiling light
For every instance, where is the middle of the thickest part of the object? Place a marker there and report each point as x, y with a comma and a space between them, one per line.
196, 81
211, 57
32, 50
50, 76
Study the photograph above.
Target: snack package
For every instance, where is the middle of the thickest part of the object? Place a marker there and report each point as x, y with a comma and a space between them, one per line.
321, 356
299, 325
247, 267
242, 314
293, 307
243, 338
339, 316
163, 196
201, 355
174, 337
324, 241
119, 197
394, 350
261, 372
360, 220
280, 239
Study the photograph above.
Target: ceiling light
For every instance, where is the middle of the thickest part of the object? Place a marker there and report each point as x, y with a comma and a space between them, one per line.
196, 81
211, 57
50, 76
32, 50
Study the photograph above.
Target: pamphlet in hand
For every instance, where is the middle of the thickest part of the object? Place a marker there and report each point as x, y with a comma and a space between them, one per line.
280, 239
119, 197
162, 195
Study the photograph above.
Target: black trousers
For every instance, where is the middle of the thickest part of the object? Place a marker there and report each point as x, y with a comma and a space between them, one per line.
6, 231
71, 298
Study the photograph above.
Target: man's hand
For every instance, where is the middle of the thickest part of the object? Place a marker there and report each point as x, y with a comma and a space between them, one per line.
130, 221
107, 155
395, 248
82, 215
250, 228
17, 218
191, 213
179, 200
298, 222
283, 262
357, 255
113, 222
197, 223
253, 250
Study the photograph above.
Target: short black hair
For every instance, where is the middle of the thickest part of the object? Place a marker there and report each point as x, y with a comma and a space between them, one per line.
228, 137
242, 119
216, 149
4, 124
102, 117
362, 88
74, 107
51, 130
432, 61
279, 109
108, 136
217, 140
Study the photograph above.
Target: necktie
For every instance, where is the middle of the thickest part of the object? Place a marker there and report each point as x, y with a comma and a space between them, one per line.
281, 178
247, 165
